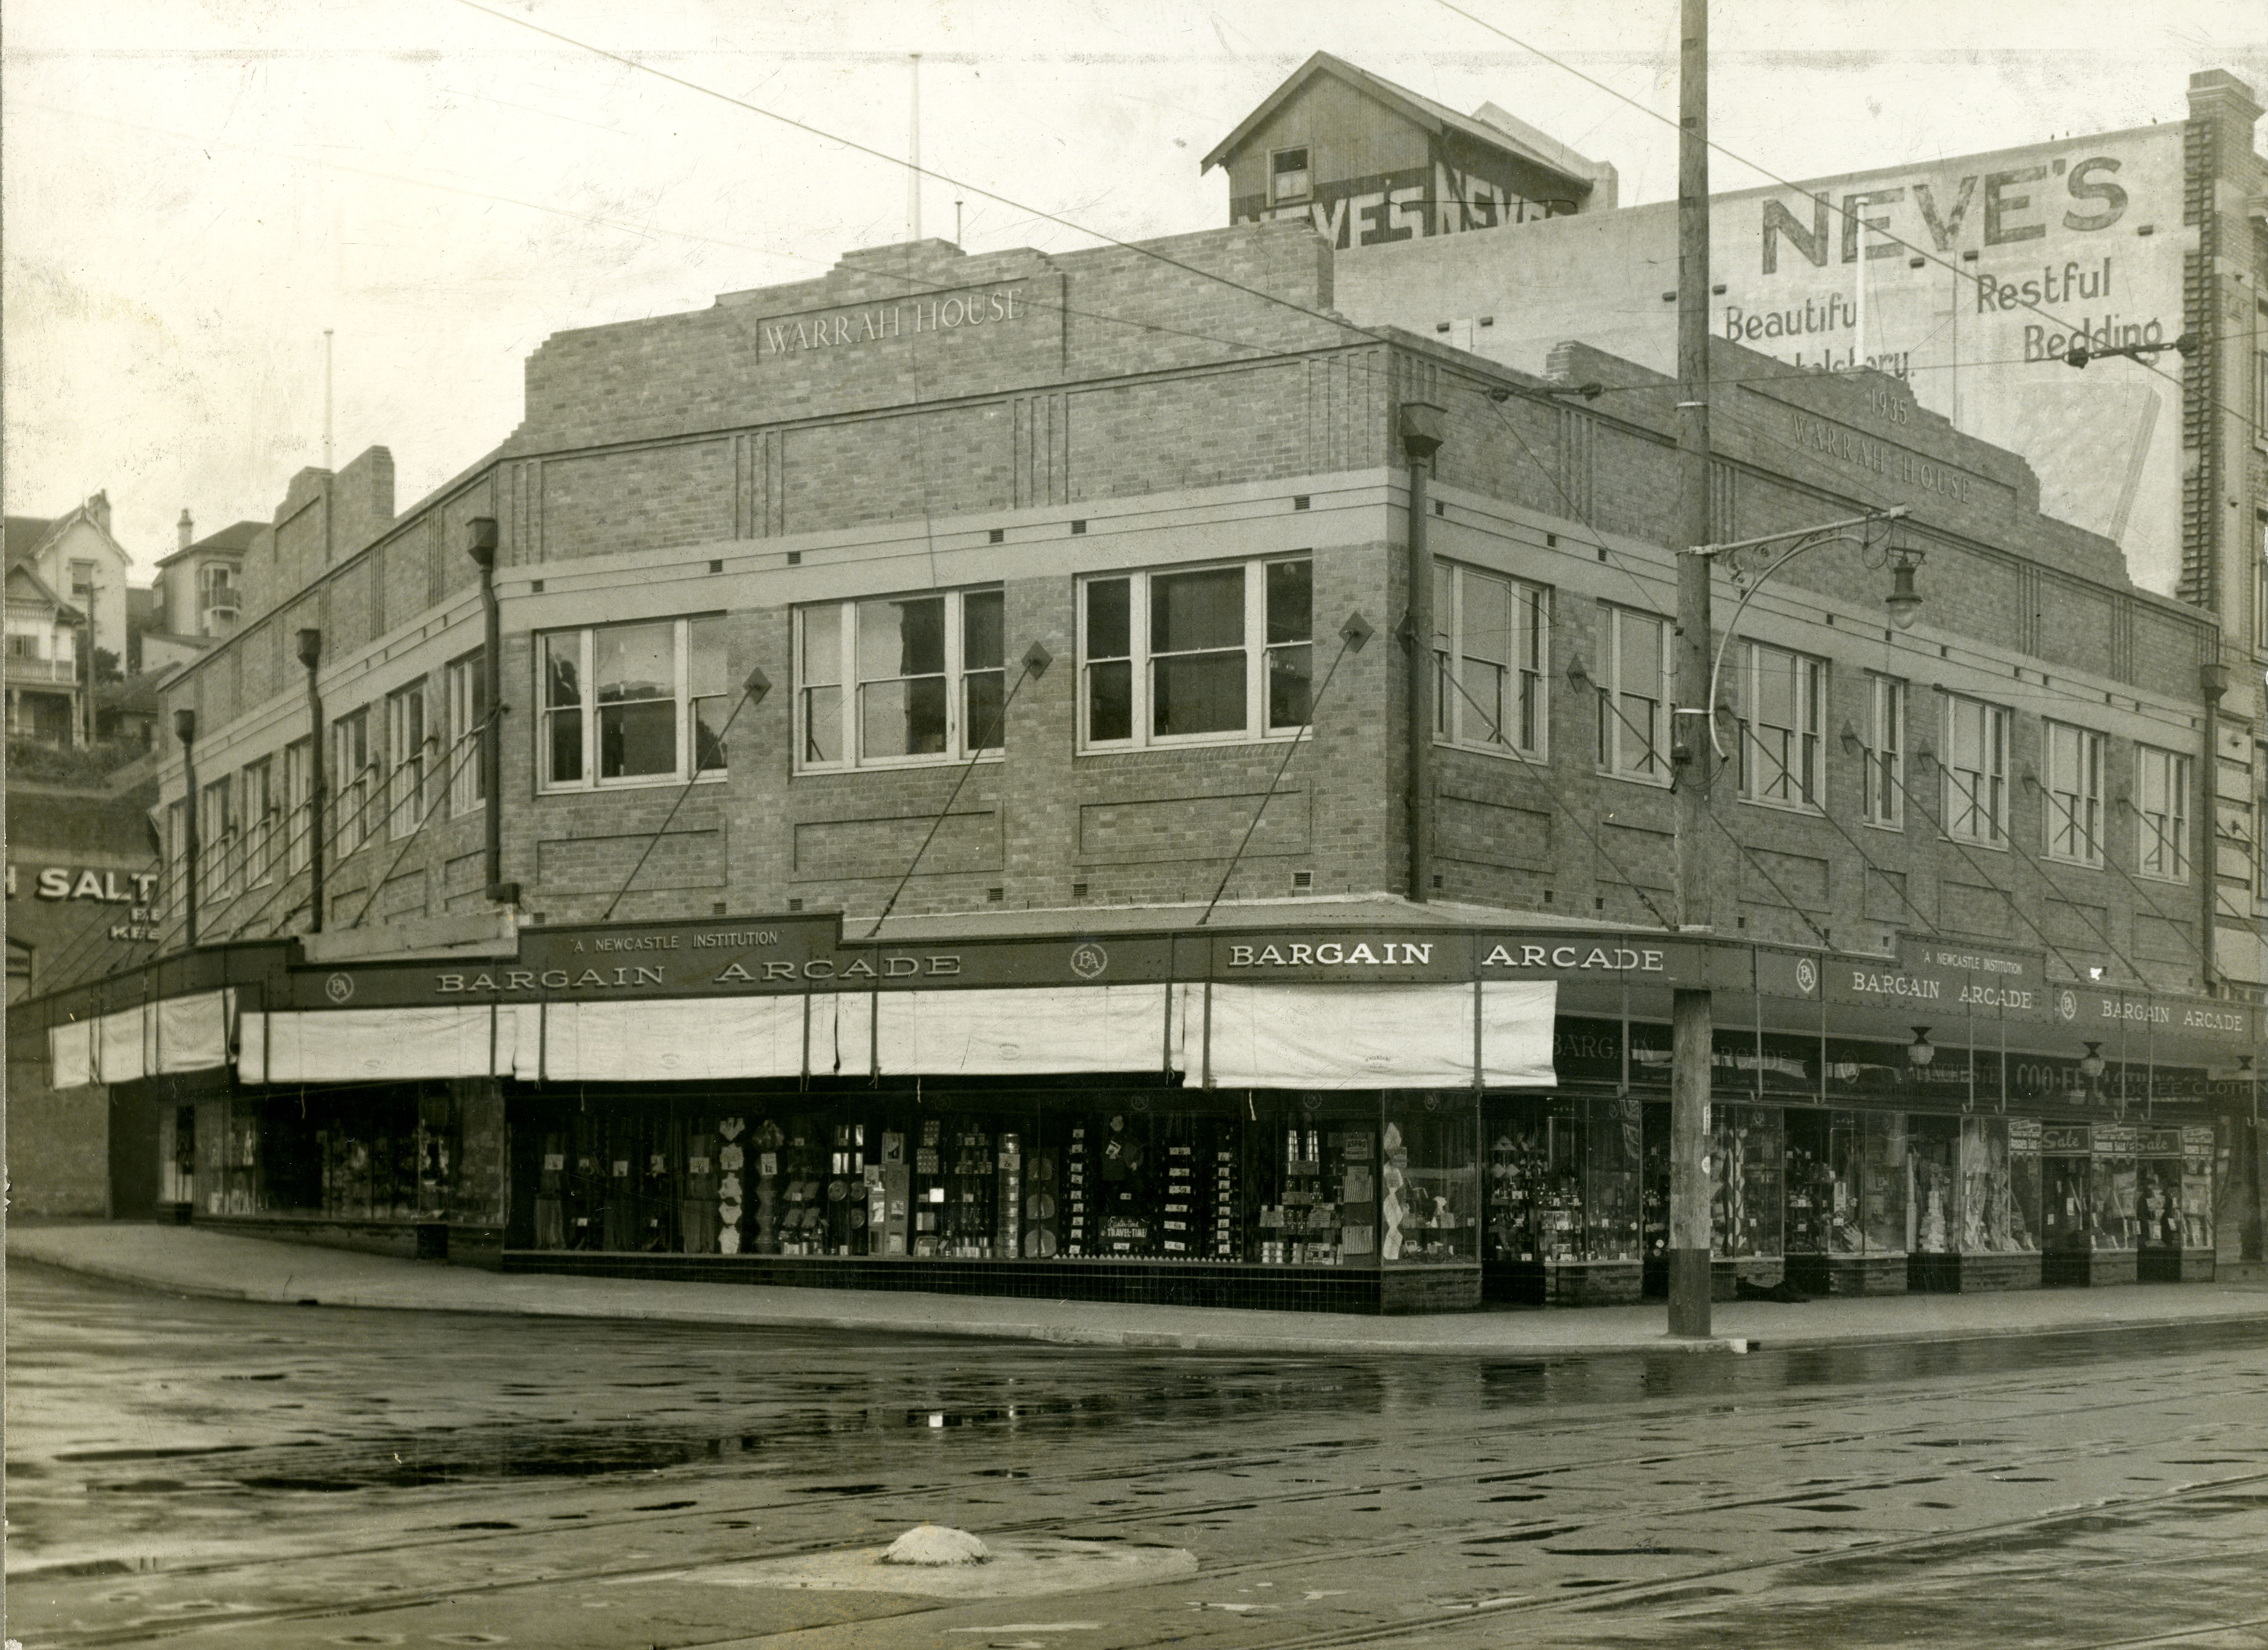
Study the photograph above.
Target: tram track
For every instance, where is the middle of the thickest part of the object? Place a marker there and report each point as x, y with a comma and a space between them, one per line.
1121, 1522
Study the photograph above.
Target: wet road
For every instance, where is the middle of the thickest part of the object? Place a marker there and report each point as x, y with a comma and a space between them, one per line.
295, 1476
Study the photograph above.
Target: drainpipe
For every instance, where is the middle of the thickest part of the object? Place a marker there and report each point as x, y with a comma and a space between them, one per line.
311, 655
2213, 680
1421, 426
481, 545
185, 729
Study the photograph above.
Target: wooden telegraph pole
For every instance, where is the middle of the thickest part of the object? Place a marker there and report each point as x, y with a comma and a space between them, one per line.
1690, 747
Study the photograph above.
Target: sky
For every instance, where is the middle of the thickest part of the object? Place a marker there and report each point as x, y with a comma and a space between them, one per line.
194, 192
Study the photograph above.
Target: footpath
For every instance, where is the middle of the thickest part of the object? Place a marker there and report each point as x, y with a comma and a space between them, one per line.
183, 1260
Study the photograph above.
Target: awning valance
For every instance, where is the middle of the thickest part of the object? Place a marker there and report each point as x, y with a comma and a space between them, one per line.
179, 1034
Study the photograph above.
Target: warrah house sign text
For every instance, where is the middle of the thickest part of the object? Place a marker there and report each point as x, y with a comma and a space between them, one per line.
879, 323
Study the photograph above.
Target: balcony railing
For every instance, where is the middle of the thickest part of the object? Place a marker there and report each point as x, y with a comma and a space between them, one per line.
23, 670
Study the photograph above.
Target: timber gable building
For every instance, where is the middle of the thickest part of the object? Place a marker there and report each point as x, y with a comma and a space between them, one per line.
965, 819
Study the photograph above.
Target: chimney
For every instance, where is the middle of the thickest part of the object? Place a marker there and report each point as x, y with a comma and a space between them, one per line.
98, 507
187, 530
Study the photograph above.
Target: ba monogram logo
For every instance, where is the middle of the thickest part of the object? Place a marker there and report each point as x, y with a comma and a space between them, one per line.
339, 987
1089, 961
2067, 1004
1806, 975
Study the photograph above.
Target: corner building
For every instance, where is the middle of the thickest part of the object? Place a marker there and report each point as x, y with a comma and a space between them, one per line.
966, 821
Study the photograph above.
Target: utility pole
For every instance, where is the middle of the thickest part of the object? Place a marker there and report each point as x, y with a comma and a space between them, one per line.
1692, 1011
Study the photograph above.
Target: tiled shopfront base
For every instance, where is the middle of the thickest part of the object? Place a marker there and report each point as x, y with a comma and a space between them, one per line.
1566, 1283
2174, 1266
1848, 1275
1971, 1274
2081, 1269
1267, 1288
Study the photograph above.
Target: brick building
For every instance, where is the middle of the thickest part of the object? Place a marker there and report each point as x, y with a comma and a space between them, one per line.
964, 818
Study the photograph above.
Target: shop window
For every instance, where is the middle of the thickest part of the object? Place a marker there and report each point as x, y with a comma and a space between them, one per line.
1489, 658
1207, 655
217, 823
1886, 1205
406, 746
631, 705
2074, 786
353, 767
1745, 1163
1562, 1186
1634, 697
259, 822
1995, 1218
899, 680
1883, 775
1429, 1204
1289, 177
467, 685
1975, 771
2115, 1188
1933, 1148
2162, 805
298, 802
1779, 734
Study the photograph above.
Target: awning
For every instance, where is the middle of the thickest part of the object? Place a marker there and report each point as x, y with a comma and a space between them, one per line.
1261, 1036
181, 1034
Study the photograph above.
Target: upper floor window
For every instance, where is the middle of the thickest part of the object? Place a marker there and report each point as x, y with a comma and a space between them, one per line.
1634, 696
1289, 177
2074, 765
354, 771
1883, 777
1975, 771
2161, 799
899, 679
299, 803
82, 581
467, 684
1210, 654
405, 742
1488, 651
638, 704
1780, 735
260, 820
216, 841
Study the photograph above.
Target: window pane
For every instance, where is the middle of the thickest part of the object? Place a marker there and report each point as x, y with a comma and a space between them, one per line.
709, 718
1639, 659
901, 638
1199, 693
981, 626
901, 719
1193, 611
704, 656
822, 645
1489, 606
980, 719
822, 724
1290, 674
566, 747
1109, 630
1290, 602
1483, 704
638, 738
562, 671
634, 662
1110, 700
1444, 604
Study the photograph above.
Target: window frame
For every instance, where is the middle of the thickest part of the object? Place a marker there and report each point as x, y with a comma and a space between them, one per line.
2178, 777
2063, 822
217, 836
464, 694
588, 708
352, 794
407, 750
259, 812
1612, 727
1993, 731
1809, 774
956, 673
1883, 799
1525, 687
298, 805
1141, 658
1278, 198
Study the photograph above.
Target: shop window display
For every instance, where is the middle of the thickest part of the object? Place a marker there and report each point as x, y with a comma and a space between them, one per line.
1933, 1153
2026, 1186
1992, 1218
2158, 1188
1429, 1207
1810, 1181
2117, 1214
1884, 1204
2197, 1188
1321, 1194
1562, 1182
1744, 1181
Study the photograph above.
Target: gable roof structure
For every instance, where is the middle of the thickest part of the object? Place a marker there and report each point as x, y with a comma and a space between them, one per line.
234, 539
1423, 111
23, 572
27, 536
